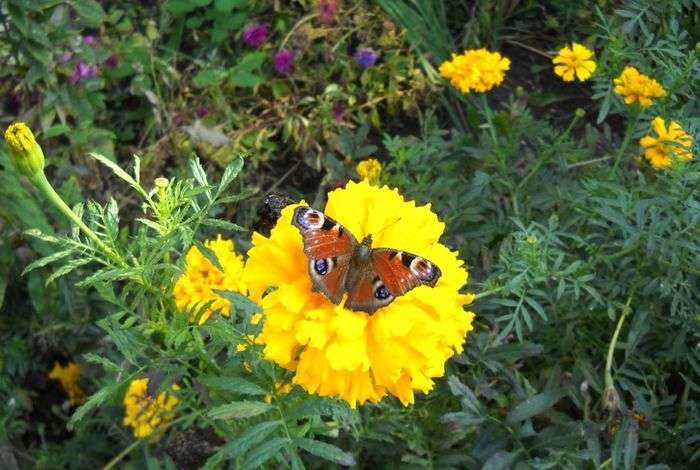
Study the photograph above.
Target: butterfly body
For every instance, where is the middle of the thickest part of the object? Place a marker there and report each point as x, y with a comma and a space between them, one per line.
372, 277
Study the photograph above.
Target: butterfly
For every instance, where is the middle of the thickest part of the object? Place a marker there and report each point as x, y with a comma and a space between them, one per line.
372, 277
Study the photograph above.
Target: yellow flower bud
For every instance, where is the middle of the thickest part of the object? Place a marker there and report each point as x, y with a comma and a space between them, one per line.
25, 152
369, 169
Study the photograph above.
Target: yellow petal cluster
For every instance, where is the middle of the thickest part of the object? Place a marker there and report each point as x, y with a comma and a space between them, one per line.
197, 283
670, 142
68, 377
369, 170
475, 70
348, 354
634, 86
574, 62
281, 389
25, 152
144, 413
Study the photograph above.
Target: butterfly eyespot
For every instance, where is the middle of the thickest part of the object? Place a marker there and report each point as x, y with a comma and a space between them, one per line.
426, 271
382, 293
321, 266
308, 218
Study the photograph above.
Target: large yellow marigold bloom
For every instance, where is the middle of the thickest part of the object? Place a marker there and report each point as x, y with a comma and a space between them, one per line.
68, 377
475, 70
634, 86
669, 143
349, 354
144, 413
197, 283
576, 60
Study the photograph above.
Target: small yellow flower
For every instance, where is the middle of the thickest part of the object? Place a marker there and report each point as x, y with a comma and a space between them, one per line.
634, 86
672, 142
575, 60
197, 283
68, 377
25, 152
334, 351
145, 413
475, 70
280, 389
369, 170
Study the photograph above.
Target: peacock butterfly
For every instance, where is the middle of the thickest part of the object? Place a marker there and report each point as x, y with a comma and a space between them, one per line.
372, 277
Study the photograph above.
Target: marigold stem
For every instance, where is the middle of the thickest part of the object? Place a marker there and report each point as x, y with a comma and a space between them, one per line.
631, 126
487, 113
613, 342
39, 180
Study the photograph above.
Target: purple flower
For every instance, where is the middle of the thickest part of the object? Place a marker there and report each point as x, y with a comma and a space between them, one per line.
82, 71
284, 61
65, 57
366, 57
112, 61
326, 11
338, 111
89, 40
255, 35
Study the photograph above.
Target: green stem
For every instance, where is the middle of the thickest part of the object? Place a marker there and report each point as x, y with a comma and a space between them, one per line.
40, 181
487, 113
122, 454
495, 290
631, 126
613, 342
548, 153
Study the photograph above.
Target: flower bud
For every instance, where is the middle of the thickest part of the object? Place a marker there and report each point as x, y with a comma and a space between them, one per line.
25, 152
580, 113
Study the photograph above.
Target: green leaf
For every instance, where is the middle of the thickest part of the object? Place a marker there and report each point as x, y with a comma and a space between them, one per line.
67, 268
208, 254
89, 11
224, 225
325, 451
180, 7
239, 445
206, 78
225, 6
239, 409
41, 262
93, 402
501, 460
265, 452
533, 406
244, 79
233, 384
108, 365
250, 62
107, 275
230, 173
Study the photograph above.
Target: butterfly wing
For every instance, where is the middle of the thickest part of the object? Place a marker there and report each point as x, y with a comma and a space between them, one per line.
329, 248
389, 274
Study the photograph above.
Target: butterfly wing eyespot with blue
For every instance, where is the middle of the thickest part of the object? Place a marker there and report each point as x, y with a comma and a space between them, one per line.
328, 247
389, 274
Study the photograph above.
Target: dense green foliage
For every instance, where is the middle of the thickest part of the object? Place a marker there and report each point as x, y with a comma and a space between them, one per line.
585, 260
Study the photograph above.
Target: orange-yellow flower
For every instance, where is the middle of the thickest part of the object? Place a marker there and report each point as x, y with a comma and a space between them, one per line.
634, 86
68, 377
369, 169
669, 143
144, 413
475, 70
576, 60
339, 352
197, 283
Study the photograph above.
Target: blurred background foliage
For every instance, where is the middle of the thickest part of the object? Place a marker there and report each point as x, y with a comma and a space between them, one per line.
562, 243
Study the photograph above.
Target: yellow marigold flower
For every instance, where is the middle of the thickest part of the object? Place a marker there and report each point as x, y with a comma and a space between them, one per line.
369, 169
25, 152
145, 413
475, 70
349, 354
68, 377
634, 86
671, 142
280, 389
575, 60
197, 283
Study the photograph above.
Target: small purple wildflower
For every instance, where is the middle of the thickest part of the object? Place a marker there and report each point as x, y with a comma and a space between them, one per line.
255, 35
65, 57
82, 71
112, 61
284, 61
366, 57
338, 111
90, 40
326, 11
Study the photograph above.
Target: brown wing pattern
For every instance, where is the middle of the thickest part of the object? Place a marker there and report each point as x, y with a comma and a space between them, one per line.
400, 271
